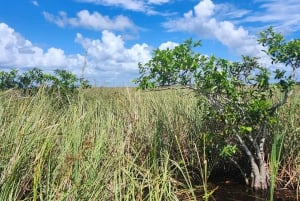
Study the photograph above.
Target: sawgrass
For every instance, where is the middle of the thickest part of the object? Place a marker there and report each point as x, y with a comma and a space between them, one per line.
114, 144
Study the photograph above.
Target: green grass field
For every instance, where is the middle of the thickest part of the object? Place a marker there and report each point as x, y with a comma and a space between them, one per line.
116, 144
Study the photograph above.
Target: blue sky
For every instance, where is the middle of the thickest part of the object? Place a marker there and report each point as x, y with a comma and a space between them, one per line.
110, 37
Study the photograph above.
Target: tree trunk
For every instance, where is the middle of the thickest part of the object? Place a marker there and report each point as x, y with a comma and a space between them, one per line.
259, 173
259, 178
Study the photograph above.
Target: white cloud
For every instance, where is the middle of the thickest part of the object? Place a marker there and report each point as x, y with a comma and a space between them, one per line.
201, 21
109, 52
158, 2
204, 9
168, 45
19, 52
111, 60
89, 20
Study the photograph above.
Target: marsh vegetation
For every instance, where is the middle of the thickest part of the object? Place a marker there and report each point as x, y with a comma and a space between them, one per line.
121, 144
205, 123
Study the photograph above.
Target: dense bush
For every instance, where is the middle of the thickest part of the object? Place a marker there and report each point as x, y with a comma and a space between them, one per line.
240, 99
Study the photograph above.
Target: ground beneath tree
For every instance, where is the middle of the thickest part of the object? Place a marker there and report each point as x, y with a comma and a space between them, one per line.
231, 191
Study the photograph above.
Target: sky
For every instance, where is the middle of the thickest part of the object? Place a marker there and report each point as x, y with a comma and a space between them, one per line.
104, 40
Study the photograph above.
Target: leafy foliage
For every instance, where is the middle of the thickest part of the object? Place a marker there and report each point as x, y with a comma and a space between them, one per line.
8, 79
220, 84
171, 67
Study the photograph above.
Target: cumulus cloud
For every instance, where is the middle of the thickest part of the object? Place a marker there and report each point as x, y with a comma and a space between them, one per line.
168, 45
108, 61
110, 53
16, 51
114, 63
202, 21
94, 21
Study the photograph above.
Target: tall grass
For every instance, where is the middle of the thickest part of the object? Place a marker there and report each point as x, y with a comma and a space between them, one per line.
103, 145
275, 158
109, 144
288, 174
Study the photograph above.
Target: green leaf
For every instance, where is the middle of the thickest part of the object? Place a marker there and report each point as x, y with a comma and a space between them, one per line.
245, 129
228, 151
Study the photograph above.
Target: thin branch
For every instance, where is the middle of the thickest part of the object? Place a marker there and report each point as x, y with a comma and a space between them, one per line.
241, 170
246, 149
254, 143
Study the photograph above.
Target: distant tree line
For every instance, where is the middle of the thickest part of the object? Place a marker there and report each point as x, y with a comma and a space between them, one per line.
29, 82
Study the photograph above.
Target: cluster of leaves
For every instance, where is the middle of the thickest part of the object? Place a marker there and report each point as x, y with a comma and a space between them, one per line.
219, 82
62, 81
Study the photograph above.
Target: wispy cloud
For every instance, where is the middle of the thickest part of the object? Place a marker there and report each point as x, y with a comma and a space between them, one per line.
94, 21
283, 14
36, 3
145, 6
158, 1
230, 11
136, 5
